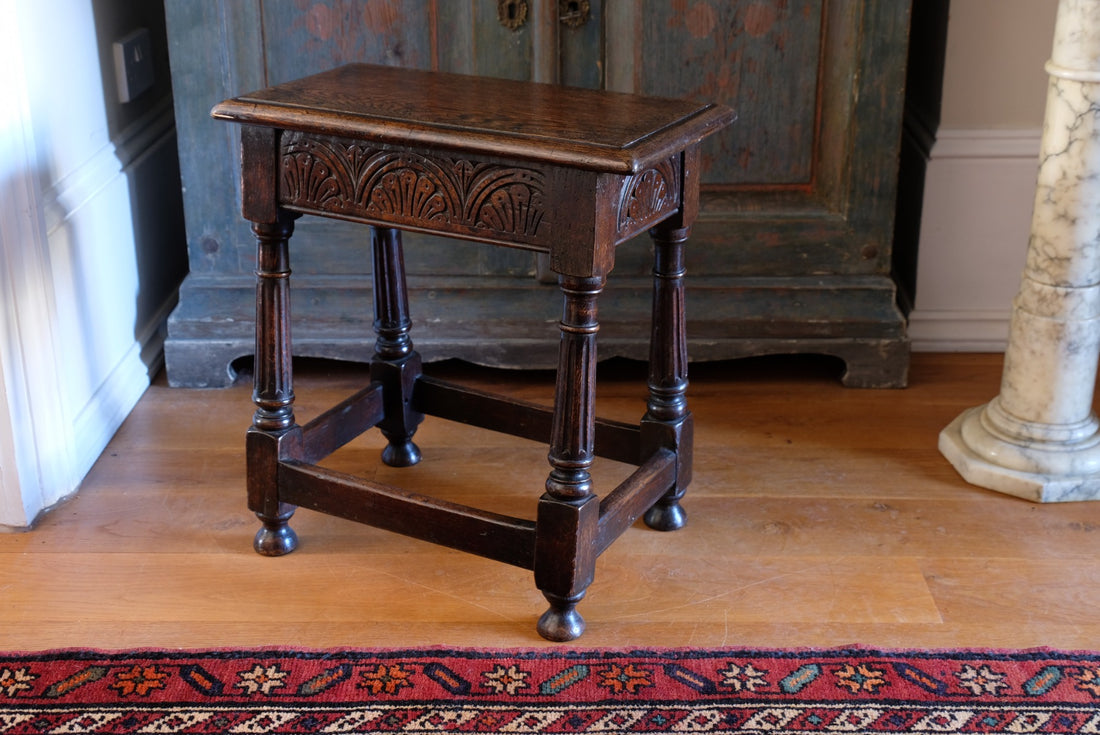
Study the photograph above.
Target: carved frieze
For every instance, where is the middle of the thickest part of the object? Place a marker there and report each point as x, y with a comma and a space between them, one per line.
436, 192
649, 196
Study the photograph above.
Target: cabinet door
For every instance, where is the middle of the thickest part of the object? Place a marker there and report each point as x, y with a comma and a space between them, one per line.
803, 182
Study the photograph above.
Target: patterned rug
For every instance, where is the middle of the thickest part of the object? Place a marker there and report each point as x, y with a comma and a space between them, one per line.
551, 691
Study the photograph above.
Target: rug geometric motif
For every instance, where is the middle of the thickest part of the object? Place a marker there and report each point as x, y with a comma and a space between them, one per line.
550, 691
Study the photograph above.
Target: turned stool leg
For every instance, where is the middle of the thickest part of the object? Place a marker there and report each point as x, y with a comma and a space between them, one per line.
568, 513
395, 363
667, 422
273, 391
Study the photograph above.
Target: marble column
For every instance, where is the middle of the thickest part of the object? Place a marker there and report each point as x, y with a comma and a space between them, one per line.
1040, 438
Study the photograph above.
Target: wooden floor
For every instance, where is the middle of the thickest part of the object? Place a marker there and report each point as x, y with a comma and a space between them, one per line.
819, 516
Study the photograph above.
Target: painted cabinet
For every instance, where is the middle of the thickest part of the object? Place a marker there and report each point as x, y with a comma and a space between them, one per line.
793, 249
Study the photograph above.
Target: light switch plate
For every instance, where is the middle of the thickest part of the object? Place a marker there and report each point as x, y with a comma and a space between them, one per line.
133, 64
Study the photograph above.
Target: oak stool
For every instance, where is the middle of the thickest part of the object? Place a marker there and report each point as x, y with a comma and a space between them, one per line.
567, 172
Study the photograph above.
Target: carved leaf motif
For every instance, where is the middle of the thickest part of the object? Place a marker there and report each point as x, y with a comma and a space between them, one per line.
506, 200
320, 175
649, 194
409, 186
406, 194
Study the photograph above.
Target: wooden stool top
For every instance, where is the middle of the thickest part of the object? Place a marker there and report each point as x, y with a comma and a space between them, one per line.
578, 128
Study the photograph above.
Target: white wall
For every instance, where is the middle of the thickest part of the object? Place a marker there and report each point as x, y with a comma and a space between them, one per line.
980, 182
91, 247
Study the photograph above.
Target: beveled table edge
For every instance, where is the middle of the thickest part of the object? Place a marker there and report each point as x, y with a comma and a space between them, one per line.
675, 136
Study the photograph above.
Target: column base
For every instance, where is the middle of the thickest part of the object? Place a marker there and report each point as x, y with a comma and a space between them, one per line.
1040, 471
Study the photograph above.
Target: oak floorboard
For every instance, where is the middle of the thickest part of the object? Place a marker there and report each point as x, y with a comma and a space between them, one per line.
818, 516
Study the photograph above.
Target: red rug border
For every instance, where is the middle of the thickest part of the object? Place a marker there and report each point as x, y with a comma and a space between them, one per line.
551, 689
565, 651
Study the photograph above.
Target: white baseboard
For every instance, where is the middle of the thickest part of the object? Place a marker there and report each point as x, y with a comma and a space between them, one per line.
976, 220
103, 414
988, 143
958, 331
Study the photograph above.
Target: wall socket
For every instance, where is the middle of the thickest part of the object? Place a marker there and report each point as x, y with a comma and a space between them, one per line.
133, 64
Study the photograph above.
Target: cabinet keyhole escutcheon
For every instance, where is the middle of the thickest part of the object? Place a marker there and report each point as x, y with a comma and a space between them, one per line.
574, 13
512, 13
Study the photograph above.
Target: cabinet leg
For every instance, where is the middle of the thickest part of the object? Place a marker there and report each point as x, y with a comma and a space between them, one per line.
568, 513
395, 363
667, 422
273, 392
